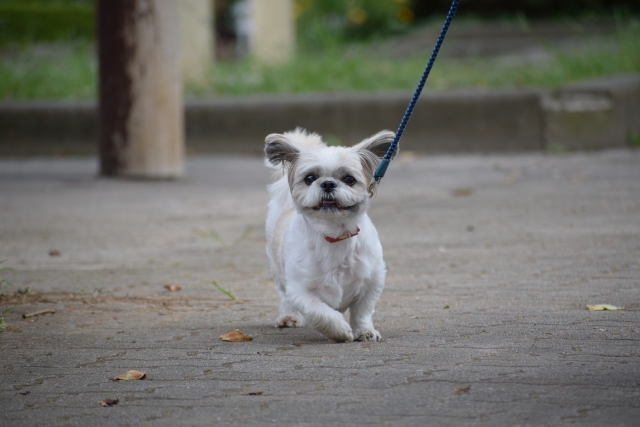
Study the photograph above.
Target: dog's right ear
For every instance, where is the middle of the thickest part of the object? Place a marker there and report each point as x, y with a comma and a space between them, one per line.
279, 150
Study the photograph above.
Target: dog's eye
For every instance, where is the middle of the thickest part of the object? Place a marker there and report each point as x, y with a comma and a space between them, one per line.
309, 179
349, 180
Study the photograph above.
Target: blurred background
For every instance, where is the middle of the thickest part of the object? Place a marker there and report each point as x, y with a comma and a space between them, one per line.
48, 47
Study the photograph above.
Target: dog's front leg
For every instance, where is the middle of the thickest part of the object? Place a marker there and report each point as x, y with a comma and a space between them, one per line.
288, 316
362, 310
319, 315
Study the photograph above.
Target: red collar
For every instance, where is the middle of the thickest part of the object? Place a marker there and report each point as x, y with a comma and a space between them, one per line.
342, 237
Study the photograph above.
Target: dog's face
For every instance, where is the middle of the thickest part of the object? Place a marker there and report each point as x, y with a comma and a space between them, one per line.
328, 181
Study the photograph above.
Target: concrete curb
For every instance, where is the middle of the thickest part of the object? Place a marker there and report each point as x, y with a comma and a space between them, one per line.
594, 114
457, 121
48, 128
590, 115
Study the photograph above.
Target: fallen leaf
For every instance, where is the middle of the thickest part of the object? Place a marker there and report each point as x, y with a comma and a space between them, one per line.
108, 402
173, 288
601, 307
464, 389
255, 393
235, 336
130, 375
462, 192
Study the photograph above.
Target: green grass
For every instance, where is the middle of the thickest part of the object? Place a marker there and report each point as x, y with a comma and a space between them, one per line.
227, 292
68, 70
337, 71
60, 70
27, 21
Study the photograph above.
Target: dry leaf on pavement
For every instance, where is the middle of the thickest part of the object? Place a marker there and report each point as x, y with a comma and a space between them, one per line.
600, 307
465, 389
108, 402
130, 375
462, 192
235, 336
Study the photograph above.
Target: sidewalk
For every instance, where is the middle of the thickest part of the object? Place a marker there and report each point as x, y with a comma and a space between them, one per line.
492, 261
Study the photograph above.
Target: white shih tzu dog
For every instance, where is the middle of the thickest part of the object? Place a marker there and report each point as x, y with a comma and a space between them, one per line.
324, 252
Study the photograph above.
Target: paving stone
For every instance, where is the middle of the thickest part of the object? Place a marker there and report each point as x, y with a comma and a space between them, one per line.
492, 261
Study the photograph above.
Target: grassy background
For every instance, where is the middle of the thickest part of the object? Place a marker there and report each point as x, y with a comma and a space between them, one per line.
52, 71
47, 51
342, 70
28, 21
68, 70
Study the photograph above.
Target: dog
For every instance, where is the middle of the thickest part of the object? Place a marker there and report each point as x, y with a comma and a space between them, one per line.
324, 252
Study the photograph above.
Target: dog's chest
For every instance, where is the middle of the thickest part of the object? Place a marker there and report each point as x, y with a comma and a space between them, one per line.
341, 281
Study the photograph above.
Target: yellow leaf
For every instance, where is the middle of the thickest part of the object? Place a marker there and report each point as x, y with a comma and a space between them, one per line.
130, 375
464, 389
600, 307
235, 336
462, 192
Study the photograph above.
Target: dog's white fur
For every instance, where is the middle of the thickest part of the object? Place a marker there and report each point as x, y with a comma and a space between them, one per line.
318, 280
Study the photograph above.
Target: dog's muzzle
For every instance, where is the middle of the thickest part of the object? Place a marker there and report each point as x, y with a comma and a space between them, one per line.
331, 204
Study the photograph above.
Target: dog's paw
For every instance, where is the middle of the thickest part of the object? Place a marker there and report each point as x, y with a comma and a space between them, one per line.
342, 336
367, 334
339, 331
289, 321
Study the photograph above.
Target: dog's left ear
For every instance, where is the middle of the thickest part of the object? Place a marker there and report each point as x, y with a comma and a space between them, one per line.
378, 144
279, 150
371, 150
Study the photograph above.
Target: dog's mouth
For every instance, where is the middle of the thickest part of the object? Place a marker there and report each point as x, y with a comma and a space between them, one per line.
330, 204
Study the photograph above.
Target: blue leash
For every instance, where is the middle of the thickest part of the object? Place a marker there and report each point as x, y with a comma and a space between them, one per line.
384, 164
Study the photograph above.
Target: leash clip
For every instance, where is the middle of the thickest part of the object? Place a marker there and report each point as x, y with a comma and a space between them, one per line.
381, 169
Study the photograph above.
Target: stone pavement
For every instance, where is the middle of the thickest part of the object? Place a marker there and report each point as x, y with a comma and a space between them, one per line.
492, 260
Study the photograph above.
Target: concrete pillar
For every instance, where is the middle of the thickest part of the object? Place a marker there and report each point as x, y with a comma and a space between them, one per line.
196, 35
272, 38
141, 111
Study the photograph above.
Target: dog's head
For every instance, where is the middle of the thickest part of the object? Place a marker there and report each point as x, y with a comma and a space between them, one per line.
328, 181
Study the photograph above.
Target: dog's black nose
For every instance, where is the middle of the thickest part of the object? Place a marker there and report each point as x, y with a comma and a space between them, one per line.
328, 186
